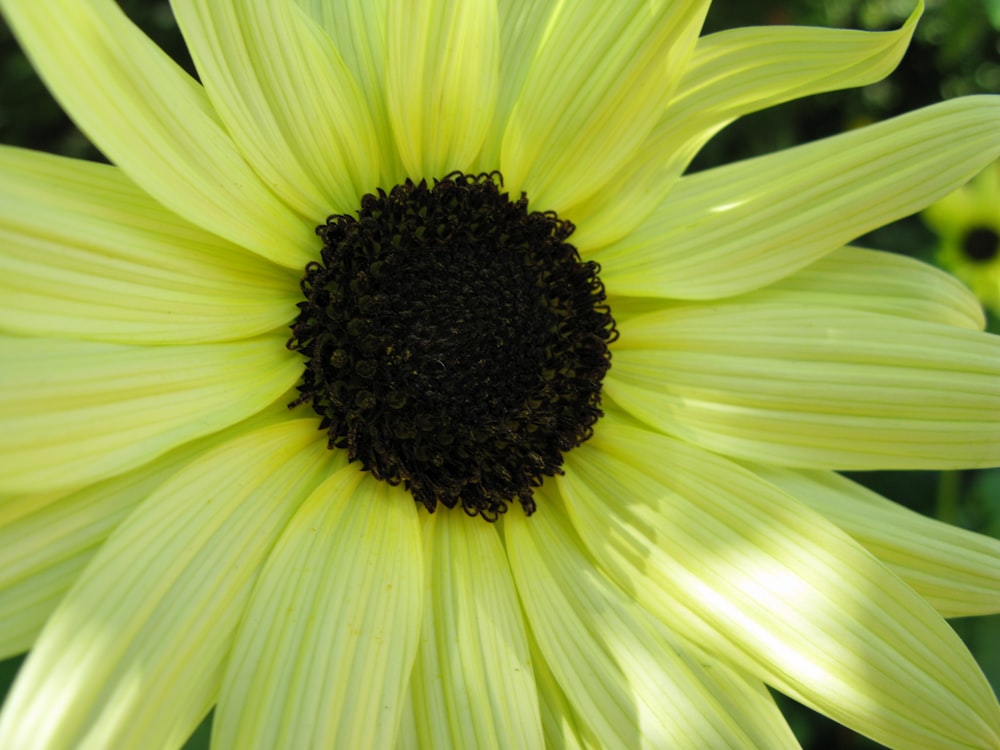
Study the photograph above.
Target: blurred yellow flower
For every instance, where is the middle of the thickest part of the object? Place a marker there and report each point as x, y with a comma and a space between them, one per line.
967, 223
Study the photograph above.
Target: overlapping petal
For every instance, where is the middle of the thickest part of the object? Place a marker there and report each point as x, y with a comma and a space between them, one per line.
472, 685
758, 579
629, 683
47, 539
133, 656
406, 738
957, 571
812, 386
563, 728
733, 73
441, 81
85, 254
523, 24
856, 278
324, 653
660, 585
598, 82
735, 228
155, 122
288, 100
51, 538
94, 410
359, 29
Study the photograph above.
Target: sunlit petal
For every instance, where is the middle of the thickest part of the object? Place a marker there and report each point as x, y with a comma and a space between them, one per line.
133, 655
579, 115
278, 83
738, 227
441, 81
47, 539
745, 570
324, 653
812, 386
957, 571
731, 73
472, 685
629, 682
95, 410
155, 122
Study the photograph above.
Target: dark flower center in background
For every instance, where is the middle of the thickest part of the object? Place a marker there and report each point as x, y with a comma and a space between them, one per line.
455, 342
981, 244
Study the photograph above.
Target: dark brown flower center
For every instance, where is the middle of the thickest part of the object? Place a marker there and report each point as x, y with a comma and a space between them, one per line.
455, 343
981, 244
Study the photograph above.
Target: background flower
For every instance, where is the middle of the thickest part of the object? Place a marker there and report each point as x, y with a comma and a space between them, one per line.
526, 550
967, 223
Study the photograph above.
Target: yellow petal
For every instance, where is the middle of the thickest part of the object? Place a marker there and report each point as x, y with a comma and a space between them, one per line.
599, 81
756, 578
563, 728
733, 73
629, 681
359, 29
324, 654
880, 282
85, 254
286, 97
735, 228
133, 656
441, 81
857, 279
406, 738
814, 387
523, 25
472, 684
76, 412
46, 540
152, 120
956, 570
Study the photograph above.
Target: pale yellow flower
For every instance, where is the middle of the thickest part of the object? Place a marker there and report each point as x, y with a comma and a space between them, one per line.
967, 223
173, 537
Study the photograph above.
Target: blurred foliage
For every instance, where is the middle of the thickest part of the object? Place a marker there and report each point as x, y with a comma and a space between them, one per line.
955, 51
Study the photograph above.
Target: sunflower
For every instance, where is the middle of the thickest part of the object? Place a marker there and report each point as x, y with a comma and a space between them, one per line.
396, 387
967, 223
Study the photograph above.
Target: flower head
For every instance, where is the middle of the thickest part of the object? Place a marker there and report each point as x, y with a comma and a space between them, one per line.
967, 223
458, 238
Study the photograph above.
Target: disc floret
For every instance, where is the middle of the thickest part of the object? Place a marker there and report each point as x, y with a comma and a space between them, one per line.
455, 342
